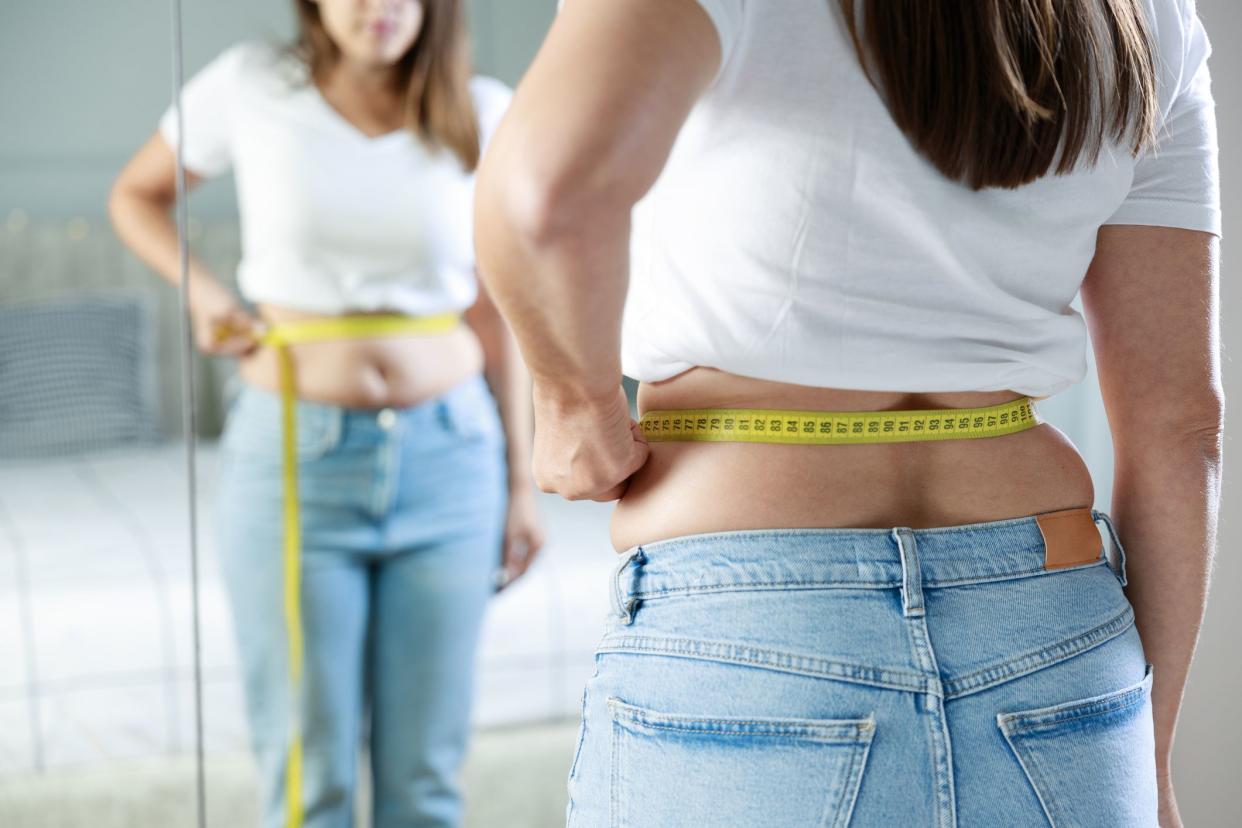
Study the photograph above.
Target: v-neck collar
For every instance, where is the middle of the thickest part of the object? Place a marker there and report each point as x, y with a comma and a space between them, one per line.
349, 126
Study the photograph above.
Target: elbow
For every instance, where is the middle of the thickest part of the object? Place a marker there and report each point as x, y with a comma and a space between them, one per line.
539, 206
115, 203
1191, 423
1206, 427
122, 198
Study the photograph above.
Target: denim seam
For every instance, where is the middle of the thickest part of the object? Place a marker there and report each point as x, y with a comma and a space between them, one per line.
850, 730
1013, 575
795, 734
1020, 728
614, 803
1031, 662
1024, 722
1030, 777
773, 660
760, 586
938, 738
929, 583
849, 796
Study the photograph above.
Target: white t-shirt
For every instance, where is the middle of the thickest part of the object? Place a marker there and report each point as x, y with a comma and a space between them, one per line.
332, 221
796, 234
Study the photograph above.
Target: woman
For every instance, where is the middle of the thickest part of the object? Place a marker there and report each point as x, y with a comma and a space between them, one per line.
354, 161
869, 208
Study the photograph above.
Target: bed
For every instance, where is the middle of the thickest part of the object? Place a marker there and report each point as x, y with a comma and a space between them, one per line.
95, 616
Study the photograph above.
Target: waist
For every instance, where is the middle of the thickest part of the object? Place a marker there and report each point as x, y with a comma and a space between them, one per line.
873, 557
364, 360
691, 488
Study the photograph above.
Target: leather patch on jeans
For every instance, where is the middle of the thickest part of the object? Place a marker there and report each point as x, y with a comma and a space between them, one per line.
1070, 537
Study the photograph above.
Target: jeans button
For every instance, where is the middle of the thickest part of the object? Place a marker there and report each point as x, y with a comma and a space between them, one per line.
387, 418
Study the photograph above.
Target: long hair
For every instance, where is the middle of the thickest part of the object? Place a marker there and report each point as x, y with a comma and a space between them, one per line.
995, 93
434, 74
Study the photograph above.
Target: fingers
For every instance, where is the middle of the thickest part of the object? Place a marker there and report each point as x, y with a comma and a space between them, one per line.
615, 493
640, 451
233, 335
586, 460
518, 555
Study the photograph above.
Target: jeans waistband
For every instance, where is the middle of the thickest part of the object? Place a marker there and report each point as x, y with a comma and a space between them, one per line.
849, 557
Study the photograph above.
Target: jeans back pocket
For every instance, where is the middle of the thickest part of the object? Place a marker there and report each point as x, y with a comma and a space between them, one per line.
686, 770
1091, 761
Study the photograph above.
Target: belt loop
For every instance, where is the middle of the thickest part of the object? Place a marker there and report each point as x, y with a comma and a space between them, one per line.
623, 602
911, 573
1119, 564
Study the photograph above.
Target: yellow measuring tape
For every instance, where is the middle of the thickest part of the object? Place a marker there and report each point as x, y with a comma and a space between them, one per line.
824, 428
280, 337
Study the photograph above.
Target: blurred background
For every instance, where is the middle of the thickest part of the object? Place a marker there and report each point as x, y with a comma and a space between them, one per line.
96, 682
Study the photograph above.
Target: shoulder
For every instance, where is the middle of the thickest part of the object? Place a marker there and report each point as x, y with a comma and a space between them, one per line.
1181, 46
259, 63
1175, 29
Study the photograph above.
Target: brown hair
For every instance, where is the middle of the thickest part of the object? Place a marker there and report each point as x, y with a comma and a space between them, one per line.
992, 91
435, 74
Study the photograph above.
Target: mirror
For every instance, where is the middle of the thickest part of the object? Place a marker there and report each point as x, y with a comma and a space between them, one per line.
97, 692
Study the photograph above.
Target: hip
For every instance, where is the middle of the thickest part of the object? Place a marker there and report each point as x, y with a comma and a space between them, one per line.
997, 599
446, 453
873, 677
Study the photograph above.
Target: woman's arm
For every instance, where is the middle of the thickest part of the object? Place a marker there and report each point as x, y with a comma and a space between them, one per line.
510, 383
1151, 303
139, 205
590, 128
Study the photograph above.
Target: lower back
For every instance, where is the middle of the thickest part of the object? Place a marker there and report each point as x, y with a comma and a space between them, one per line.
688, 488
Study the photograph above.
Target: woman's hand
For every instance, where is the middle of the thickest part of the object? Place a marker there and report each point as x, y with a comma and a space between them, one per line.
222, 326
585, 448
523, 534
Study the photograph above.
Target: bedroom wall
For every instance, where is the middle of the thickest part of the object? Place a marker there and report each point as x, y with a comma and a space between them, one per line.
76, 112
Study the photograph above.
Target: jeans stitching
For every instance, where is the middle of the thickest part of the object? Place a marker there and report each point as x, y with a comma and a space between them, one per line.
850, 730
928, 583
1031, 721
770, 659
1036, 660
852, 782
614, 805
1032, 773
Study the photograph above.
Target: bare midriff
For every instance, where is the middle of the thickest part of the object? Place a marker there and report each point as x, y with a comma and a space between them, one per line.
689, 488
392, 371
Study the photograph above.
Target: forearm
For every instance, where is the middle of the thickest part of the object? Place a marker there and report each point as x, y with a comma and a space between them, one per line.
509, 381
146, 227
589, 132
563, 291
1165, 503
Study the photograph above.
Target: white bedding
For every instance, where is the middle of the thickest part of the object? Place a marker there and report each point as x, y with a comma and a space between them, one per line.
95, 615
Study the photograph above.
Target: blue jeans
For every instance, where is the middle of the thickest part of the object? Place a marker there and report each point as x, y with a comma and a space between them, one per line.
402, 513
867, 677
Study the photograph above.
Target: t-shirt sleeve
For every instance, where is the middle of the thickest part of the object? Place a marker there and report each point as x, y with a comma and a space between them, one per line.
206, 101
726, 16
1177, 180
491, 101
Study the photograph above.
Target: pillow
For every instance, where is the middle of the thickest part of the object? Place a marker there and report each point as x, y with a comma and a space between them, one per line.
77, 373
